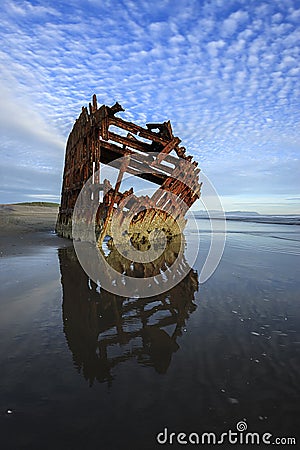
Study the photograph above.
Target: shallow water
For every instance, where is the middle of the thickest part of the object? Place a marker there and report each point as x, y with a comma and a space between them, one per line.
83, 368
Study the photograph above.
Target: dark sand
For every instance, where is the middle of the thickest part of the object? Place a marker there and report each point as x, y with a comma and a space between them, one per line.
25, 227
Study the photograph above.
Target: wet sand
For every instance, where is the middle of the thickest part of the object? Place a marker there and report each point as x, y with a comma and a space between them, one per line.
23, 228
83, 368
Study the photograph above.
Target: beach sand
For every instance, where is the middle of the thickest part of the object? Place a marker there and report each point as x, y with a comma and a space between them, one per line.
84, 368
25, 226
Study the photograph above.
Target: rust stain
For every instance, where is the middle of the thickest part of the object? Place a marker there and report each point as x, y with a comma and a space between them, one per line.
91, 141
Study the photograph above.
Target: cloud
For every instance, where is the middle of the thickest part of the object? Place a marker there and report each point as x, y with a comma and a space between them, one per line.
245, 176
23, 123
225, 75
235, 20
214, 46
25, 8
23, 182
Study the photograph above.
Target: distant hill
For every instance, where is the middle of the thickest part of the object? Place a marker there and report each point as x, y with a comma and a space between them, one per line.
242, 213
47, 204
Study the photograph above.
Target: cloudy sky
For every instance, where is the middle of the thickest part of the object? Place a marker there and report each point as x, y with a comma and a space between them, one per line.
225, 72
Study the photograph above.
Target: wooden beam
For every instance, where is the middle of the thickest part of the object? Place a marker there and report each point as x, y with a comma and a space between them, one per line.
167, 149
111, 206
136, 129
129, 142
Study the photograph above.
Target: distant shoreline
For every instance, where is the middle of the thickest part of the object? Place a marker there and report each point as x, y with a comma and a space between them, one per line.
41, 216
276, 220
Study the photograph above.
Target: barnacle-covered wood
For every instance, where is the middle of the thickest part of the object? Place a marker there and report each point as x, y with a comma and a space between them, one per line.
92, 140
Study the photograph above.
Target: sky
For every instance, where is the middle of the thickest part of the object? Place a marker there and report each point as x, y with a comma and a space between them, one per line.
225, 72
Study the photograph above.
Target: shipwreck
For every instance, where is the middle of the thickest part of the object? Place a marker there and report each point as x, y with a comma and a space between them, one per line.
99, 137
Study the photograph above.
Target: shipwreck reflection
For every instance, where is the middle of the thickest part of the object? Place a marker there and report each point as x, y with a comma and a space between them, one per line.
103, 329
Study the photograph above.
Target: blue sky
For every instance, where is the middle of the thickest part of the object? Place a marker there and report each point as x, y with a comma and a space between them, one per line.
226, 73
